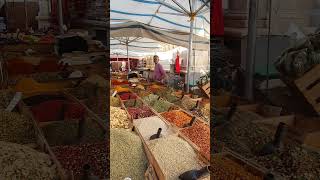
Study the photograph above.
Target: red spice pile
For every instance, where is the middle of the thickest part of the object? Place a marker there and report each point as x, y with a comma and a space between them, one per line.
126, 96
73, 158
116, 82
199, 134
141, 112
178, 118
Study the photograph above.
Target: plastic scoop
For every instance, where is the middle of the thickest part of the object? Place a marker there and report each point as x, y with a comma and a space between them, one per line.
156, 136
271, 147
194, 174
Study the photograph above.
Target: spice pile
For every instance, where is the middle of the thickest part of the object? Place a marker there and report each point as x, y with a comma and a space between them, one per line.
21, 162
73, 158
133, 103
144, 93
161, 106
118, 118
150, 99
127, 96
224, 168
141, 112
178, 118
45, 77
187, 103
174, 156
127, 157
16, 128
115, 101
199, 134
149, 126
205, 110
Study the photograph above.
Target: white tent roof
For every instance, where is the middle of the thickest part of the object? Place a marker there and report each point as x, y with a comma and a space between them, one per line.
169, 14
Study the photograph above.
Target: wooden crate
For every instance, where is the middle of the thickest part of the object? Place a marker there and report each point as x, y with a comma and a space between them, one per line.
206, 89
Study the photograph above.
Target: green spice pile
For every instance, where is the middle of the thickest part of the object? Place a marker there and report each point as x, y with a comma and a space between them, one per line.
5, 98
150, 99
127, 157
161, 105
149, 126
118, 118
133, 103
205, 110
16, 128
115, 101
174, 156
187, 103
143, 93
21, 162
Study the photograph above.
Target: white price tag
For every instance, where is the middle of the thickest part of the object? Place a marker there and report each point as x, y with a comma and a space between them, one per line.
114, 94
15, 100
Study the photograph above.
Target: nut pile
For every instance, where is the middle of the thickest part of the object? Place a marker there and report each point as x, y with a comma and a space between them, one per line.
141, 112
127, 157
199, 134
16, 128
224, 168
126, 96
73, 158
149, 126
133, 103
178, 118
118, 118
174, 156
21, 162
115, 101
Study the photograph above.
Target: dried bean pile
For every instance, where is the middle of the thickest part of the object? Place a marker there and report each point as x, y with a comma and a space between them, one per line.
5, 98
21, 162
174, 156
161, 105
141, 112
118, 118
224, 168
126, 96
178, 118
150, 99
73, 158
199, 134
133, 103
115, 101
127, 157
16, 128
149, 126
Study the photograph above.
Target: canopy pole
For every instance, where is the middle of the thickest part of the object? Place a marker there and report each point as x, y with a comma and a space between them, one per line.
251, 44
128, 56
60, 16
189, 54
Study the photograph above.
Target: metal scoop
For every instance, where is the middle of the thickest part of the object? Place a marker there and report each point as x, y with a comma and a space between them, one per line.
194, 174
157, 135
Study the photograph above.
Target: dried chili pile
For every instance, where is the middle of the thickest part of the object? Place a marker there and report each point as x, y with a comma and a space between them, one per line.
178, 118
141, 112
126, 96
224, 168
73, 158
199, 134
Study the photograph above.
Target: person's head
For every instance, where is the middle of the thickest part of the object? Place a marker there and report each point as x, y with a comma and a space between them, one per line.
155, 59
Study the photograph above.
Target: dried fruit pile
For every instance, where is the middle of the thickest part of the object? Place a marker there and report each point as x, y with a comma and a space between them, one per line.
16, 128
127, 157
115, 101
118, 118
141, 112
73, 158
21, 162
174, 156
199, 134
149, 126
126, 96
224, 168
177, 118
133, 103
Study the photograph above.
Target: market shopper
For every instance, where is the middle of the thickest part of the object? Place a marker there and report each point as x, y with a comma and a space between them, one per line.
159, 73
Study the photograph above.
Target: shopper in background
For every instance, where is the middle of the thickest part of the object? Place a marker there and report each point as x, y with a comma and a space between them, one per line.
159, 73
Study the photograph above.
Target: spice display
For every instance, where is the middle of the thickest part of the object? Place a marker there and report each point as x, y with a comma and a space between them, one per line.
46, 76
5, 98
118, 118
174, 156
188, 103
149, 126
127, 157
73, 158
120, 89
223, 168
85, 91
115, 101
205, 110
16, 128
143, 93
127, 96
96, 79
199, 134
161, 105
22, 162
119, 82
133, 103
141, 112
178, 118
150, 99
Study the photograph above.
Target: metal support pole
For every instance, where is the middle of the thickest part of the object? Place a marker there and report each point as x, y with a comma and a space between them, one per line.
60, 16
189, 54
128, 56
251, 44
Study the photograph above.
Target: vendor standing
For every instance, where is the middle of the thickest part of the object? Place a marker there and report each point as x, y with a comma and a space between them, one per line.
159, 73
